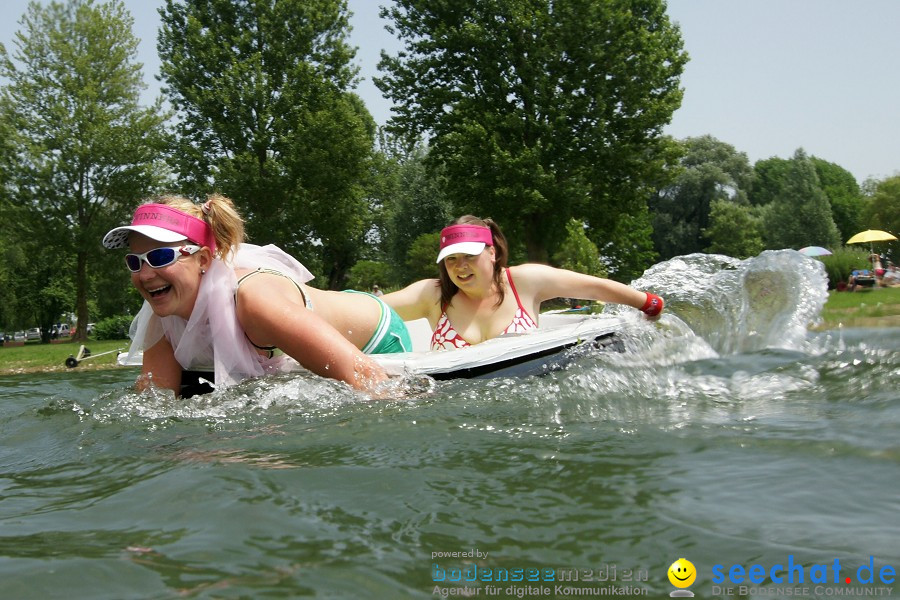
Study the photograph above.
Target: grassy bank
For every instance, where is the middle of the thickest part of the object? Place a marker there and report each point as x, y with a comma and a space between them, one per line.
878, 307
33, 357
871, 308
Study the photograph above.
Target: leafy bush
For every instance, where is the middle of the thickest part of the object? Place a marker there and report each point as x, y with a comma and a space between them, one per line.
839, 265
420, 258
113, 328
734, 230
367, 273
578, 253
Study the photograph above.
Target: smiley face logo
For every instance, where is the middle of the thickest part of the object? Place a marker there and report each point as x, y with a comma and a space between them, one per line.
682, 573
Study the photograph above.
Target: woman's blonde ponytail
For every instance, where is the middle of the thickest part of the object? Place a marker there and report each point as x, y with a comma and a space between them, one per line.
219, 213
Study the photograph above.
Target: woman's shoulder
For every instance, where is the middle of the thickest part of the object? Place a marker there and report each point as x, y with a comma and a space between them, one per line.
425, 287
542, 282
530, 271
419, 299
530, 278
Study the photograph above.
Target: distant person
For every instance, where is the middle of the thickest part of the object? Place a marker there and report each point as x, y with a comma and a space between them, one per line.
478, 297
877, 269
891, 276
211, 300
377, 290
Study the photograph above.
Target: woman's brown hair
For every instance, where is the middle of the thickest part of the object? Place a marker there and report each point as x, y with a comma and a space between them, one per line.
501, 255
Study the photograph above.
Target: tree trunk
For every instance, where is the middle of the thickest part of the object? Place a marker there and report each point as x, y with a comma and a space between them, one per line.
81, 305
534, 247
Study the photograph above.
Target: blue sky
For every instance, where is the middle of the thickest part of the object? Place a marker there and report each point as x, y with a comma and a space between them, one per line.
766, 76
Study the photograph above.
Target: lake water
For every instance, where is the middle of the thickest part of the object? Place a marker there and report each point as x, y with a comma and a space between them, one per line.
725, 434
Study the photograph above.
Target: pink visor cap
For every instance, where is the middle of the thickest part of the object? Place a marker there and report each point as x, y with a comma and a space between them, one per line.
162, 223
464, 239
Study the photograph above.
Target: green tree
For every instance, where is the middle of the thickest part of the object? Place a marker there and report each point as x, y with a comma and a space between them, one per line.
845, 199
710, 171
578, 253
770, 174
883, 208
414, 201
55, 294
733, 230
800, 214
266, 116
628, 258
368, 273
539, 111
847, 202
421, 256
80, 148
15, 282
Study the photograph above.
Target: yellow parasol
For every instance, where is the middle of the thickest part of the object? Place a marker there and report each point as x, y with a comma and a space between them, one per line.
871, 235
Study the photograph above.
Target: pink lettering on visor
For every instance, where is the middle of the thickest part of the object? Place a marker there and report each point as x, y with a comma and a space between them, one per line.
464, 239
166, 217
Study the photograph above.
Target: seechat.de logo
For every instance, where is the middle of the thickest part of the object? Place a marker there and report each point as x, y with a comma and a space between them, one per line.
793, 572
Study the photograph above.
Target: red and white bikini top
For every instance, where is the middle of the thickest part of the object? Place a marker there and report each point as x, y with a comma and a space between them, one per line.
445, 337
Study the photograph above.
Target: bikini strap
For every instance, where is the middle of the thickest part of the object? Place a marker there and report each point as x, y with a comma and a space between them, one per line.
513, 288
306, 302
515, 292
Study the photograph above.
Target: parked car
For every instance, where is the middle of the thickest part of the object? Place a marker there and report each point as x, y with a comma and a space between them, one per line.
90, 329
60, 331
33, 334
19, 336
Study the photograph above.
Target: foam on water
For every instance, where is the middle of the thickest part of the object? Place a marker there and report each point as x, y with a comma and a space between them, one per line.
716, 307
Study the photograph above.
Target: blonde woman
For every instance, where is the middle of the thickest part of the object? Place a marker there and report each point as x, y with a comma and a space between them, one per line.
211, 300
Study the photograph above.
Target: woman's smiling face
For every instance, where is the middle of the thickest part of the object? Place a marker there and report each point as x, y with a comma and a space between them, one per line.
170, 290
467, 271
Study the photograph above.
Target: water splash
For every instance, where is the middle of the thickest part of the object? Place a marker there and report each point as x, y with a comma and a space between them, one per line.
723, 314
736, 306
297, 396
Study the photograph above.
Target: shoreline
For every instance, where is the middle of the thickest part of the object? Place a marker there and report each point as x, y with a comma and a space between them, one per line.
58, 369
883, 322
887, 322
